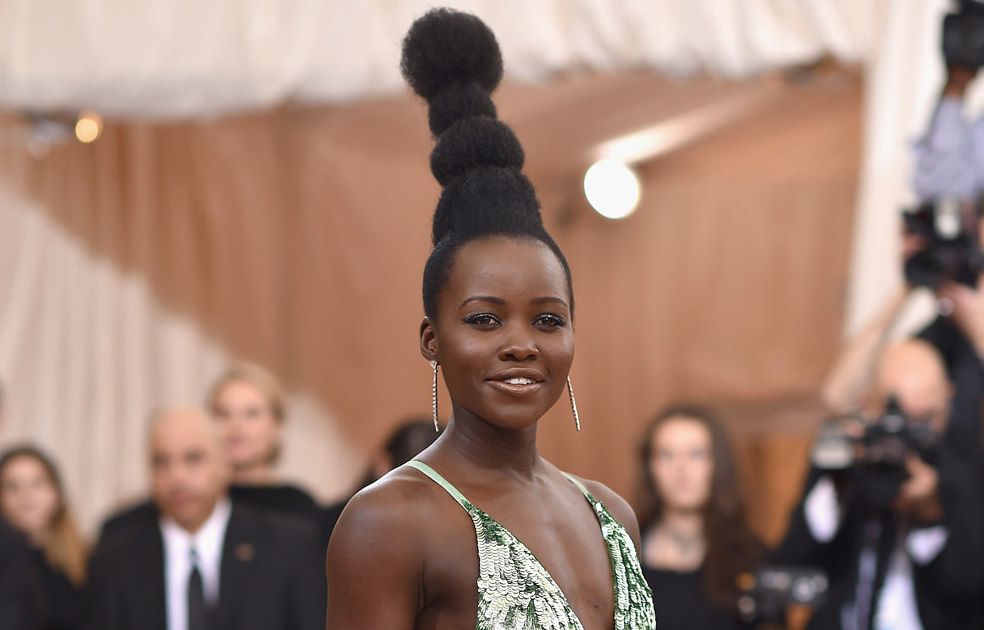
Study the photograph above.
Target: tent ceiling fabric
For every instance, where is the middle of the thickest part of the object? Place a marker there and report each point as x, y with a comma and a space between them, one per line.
187, 58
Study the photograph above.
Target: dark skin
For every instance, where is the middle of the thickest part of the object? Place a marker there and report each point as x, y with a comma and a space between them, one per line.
404, 555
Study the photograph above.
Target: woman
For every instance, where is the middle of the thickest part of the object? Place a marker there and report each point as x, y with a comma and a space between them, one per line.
499, 307
695, 539
248, 404
32, 499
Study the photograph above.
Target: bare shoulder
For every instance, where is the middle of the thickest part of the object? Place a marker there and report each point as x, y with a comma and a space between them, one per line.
393, 508
378, 554
618, 507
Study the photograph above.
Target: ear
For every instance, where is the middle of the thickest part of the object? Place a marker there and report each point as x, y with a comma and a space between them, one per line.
428, 340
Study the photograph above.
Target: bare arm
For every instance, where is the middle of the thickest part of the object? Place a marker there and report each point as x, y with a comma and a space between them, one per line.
851, 377
375, 563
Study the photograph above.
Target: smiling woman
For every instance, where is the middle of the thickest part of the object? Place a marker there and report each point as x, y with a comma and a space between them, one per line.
554, 551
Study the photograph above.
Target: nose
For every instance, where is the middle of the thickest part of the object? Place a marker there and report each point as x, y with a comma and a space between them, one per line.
519, 344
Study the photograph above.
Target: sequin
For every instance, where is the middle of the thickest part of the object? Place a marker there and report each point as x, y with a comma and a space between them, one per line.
515, 590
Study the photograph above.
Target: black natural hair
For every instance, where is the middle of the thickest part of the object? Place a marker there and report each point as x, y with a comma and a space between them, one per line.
452, 59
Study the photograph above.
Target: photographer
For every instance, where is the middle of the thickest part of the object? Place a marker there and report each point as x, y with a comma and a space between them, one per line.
941, 245
899, 524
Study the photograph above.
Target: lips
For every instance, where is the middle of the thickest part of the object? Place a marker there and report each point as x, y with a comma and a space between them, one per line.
517, 381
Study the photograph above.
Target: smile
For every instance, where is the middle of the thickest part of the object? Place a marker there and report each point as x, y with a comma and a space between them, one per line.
517, 384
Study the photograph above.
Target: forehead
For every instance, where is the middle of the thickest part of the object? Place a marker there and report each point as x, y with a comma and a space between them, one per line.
508, 268
681, 430
24, 465
182, 434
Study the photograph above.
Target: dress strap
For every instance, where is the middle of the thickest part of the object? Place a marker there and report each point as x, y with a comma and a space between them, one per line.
580, 486
441, 481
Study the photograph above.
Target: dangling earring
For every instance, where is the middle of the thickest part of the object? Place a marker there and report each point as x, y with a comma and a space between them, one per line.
437, 427
570, 391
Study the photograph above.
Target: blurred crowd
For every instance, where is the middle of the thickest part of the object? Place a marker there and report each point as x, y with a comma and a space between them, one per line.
221, 541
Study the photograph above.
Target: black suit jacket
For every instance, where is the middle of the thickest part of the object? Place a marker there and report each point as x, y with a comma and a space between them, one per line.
948, 588
272, 575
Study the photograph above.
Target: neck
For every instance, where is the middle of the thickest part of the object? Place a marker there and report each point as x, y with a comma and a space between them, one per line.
192, 526
683, 524
39, 538
488, 447
254, 475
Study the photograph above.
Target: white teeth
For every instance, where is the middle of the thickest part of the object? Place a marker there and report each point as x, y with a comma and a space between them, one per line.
520, 381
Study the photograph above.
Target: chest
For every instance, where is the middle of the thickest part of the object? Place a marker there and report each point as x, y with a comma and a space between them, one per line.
489, 559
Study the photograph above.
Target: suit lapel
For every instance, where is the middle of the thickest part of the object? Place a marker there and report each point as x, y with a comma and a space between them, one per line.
238, 560
150, 580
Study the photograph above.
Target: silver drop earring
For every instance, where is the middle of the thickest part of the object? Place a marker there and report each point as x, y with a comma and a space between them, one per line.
570, 391
437, 427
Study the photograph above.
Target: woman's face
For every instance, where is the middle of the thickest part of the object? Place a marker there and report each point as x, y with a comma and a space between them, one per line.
250, 430
682, 463
504, 336
28, 497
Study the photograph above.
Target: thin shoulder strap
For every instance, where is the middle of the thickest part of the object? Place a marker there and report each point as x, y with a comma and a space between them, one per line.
580, 486
441, 481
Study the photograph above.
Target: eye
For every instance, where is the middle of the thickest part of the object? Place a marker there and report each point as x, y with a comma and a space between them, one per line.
549, 321
482, 320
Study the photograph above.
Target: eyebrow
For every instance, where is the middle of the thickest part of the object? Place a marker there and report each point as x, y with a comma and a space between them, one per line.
497, 300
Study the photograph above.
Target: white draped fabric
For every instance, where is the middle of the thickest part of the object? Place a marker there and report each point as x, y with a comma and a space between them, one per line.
192, 58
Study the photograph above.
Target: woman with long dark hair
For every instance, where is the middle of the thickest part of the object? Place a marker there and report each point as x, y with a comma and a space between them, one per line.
553, 551
32, 499
695, 537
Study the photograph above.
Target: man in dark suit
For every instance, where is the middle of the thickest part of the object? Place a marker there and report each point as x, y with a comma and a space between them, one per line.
902, 547
199, 561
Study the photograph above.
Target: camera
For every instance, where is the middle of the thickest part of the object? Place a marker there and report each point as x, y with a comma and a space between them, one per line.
963, 35
766, 594
885, 441
952, 251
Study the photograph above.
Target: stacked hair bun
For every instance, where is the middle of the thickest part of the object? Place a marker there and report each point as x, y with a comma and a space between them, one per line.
452, 59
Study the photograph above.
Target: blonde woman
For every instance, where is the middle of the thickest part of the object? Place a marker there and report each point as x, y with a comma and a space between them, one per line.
247, 402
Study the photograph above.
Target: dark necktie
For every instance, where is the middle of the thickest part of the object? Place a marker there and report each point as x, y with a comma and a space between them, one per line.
197, 612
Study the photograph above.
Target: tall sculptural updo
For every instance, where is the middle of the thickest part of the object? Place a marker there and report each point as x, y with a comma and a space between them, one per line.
452, 59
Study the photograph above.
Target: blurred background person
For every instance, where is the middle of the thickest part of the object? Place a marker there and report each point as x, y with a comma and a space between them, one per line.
21, 598
248, 404
890, 512
32, 499
696, 541
208, 561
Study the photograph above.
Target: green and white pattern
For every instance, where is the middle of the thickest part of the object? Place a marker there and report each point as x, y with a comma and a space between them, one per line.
516, 592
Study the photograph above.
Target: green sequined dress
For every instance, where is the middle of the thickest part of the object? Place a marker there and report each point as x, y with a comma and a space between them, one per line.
516, 592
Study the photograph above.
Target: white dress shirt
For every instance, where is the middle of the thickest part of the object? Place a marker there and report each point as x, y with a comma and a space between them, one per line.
896, 602
178, 544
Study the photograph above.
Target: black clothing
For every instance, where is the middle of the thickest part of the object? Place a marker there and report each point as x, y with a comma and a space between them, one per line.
62, 601
682, 603
272, 575
966, 371
20, 605
284, 499
947, 588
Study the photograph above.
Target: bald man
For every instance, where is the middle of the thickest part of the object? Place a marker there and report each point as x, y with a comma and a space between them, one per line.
198, 561
902, 546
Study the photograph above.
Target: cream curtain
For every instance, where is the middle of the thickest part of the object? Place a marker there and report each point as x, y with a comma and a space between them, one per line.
189, 58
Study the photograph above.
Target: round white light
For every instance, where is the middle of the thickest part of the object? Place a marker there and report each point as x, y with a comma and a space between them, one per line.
612, 189
88, 127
